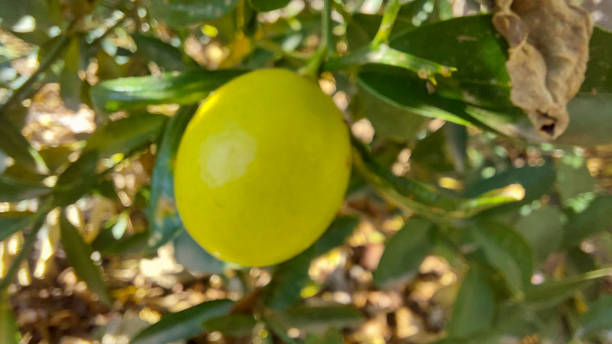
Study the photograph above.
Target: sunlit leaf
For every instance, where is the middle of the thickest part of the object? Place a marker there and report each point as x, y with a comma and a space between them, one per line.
180, 13
169, 88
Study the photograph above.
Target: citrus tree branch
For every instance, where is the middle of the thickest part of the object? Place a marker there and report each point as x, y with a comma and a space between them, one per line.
386, 25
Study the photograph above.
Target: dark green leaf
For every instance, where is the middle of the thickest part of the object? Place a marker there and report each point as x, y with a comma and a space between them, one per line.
9, 332
78, 253
543, 229
169, 88
184, 324
507, 252
11, 222
164, 220
549, 294
70, 82
596, 218
573, 178
332, 336
233, 325
388, 120
316, 319
12, 190
77, 180
338, 231
404, 253
597, 318
591, 109
291, 276
474, 308
536, 181
193, 257
15, 145
288, 280
268, 5
180, 13
163, 54
126, 134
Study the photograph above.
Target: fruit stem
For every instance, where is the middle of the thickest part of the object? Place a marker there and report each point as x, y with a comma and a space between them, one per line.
326, 46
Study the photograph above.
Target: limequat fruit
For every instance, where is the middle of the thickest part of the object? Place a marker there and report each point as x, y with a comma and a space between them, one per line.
262, 168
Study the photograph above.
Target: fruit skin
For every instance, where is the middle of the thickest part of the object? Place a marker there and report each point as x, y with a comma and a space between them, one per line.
262, 168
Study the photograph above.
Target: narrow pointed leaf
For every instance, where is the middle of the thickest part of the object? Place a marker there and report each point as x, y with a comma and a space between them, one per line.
78, 253
184, 324
169, 88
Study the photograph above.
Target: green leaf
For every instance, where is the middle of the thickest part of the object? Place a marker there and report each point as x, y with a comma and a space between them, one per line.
15, 145
291, 276
169, 88
385, 55
597, 318
507, 252
164, 220
180, 13
573, 178
471, 44
474, 308
316, 319
193, 257
166, 56
78, 253
184, 324
12, 190
332, 336
126, 135
552, 293
233, 325
70, 83
425, 199
77, 180
9, 331
12, 222
404, 253
596, 218
335, 235
591, 109
542, 230
388, 121
536, 180
268, 5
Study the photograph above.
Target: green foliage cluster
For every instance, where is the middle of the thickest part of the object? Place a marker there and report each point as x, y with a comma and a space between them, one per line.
410, 63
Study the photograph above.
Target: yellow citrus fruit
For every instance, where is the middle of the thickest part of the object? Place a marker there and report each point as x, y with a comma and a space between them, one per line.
262, 168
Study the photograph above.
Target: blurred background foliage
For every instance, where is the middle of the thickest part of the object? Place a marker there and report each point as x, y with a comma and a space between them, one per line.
461, 224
